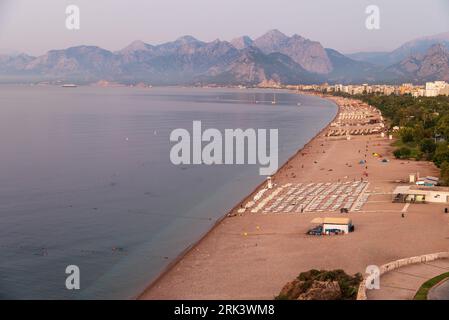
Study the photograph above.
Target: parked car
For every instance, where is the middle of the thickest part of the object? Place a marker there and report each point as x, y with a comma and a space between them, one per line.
316, 231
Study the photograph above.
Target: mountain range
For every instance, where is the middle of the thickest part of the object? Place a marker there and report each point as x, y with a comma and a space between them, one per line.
272, 57
410, 48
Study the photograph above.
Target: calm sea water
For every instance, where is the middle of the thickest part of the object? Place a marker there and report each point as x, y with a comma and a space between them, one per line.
85, 179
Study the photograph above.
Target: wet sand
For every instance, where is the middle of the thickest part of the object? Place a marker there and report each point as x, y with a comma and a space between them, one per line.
252, 255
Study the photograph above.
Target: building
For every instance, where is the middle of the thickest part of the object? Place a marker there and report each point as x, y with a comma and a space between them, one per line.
421, 194
445, 91
431, 89
435, 88
330, 224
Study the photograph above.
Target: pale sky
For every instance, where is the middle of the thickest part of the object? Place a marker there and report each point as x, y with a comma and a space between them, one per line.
35, 26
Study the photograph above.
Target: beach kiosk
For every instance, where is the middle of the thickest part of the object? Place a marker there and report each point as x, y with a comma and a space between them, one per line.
334, 225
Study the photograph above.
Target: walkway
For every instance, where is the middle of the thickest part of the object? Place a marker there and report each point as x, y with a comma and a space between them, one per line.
403, 283
440, 291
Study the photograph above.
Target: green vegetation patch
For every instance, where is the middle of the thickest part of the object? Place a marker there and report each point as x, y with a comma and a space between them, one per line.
424, 289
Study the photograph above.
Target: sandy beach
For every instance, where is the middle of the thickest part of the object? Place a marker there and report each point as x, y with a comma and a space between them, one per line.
252, 253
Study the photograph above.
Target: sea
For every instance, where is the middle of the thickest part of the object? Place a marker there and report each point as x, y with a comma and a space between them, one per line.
86, 180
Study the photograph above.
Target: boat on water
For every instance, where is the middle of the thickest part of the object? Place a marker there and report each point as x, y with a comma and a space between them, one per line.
69, 85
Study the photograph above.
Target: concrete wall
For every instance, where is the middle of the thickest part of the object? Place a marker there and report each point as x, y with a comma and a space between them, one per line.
361, 295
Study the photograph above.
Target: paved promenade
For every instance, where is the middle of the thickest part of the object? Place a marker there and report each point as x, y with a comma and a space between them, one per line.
440, 291
403, 283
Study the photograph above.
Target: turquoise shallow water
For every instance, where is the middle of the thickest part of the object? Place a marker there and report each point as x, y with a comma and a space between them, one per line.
85, 179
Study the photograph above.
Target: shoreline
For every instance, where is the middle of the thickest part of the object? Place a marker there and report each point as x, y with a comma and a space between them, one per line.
259, 248
245, 199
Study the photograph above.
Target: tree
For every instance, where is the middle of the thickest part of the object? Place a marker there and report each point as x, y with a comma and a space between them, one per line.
402, 153
441, 154
428, 146
444, 174
407, 135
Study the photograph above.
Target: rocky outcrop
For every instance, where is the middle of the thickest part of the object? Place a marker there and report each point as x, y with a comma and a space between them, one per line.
317, 290
321, 285
322, 290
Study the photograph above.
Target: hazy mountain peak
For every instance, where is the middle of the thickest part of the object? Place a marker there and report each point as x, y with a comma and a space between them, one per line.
136, 45
308, 54
242, 42
275, 34
187, 39
271, 41
82, 48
